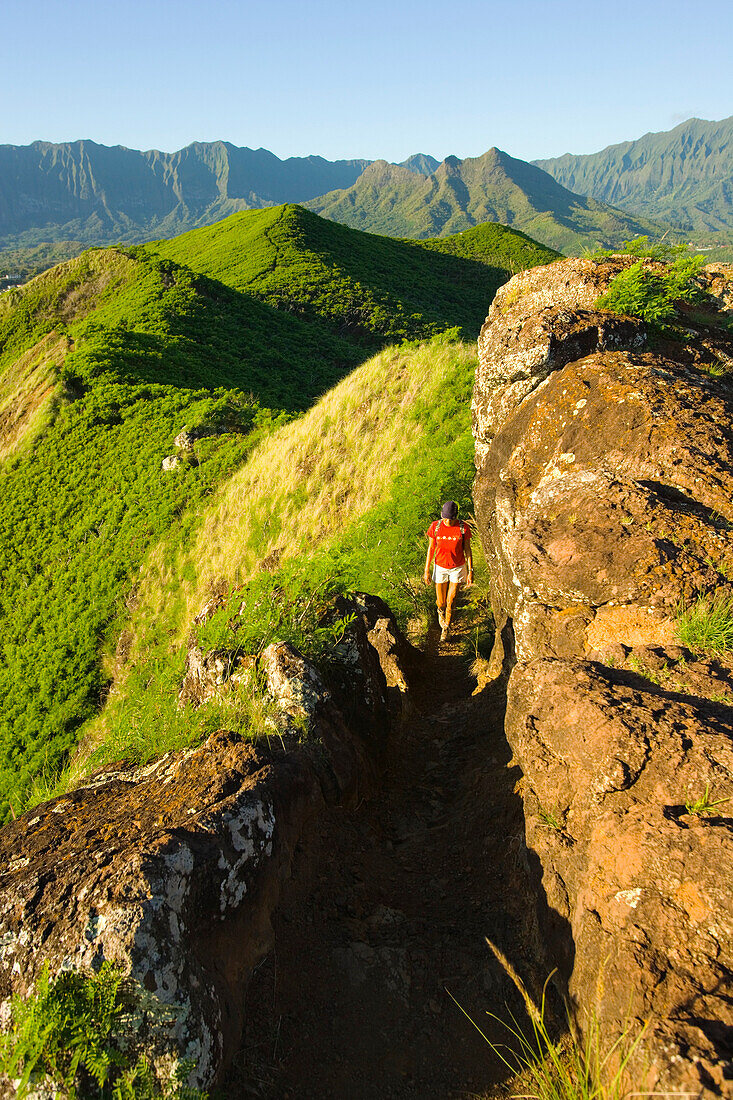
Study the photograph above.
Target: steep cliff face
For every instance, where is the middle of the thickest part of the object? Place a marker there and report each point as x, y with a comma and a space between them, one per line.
603, 495
92, 191
173, 870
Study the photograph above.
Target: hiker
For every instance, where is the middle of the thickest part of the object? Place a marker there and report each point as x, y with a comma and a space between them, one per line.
449, 547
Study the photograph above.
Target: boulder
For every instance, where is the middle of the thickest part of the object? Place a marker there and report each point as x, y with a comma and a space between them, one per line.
603, 498
172, 870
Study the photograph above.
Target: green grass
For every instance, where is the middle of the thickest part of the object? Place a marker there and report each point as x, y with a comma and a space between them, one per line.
707, 626
594, 1066
355, 521
113, 352
703, 806
373, 289
70, 1037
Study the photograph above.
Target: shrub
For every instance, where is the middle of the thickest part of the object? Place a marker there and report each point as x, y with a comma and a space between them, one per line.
652, 294
68, 1036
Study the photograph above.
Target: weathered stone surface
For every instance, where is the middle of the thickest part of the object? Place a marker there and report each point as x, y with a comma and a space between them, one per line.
636, 888
603, 495
212, 674
172, 870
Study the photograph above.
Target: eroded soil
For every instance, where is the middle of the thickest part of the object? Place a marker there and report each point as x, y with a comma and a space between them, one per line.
388, 912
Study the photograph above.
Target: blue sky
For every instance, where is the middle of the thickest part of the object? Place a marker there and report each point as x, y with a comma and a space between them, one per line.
535, 77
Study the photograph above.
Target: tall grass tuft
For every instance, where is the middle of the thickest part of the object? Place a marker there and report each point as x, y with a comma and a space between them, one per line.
593, 1067
707, 626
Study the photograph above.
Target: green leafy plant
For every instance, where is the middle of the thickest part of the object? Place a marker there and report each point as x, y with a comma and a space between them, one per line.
707, 626
652, 294
67, 1036
701, 807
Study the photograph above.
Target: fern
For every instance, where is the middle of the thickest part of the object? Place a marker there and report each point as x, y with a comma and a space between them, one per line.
68, 1036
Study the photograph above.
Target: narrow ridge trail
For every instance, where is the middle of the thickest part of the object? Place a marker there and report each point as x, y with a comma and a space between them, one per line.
389, 909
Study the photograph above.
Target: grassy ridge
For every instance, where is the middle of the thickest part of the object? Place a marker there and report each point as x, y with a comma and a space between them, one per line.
338, 500
78, 511
103, 361
369, 288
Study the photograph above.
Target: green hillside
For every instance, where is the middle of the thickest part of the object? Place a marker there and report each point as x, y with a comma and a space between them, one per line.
338, 500
104, 359
683, 176
460, 194
369, 287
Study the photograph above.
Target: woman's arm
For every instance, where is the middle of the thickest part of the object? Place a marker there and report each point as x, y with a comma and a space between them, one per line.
431, 551
469, 563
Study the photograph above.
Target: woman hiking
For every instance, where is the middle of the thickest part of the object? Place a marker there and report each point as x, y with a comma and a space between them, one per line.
449, 547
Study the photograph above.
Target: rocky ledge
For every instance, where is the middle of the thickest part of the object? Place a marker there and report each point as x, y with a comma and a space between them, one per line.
172, 870
604, 495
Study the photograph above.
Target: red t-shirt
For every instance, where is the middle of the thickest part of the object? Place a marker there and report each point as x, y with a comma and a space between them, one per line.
450, 538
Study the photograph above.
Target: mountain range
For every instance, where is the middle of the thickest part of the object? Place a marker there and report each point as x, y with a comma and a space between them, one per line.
458, 194
56, 199
682, 176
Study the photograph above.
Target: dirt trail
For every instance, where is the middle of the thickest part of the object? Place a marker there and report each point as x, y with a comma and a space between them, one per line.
389, 909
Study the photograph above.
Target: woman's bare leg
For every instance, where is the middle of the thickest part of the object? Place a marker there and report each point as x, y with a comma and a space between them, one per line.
441, 594
450, 597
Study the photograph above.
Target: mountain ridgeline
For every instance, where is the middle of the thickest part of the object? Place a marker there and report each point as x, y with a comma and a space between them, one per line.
66, 196
93, 194
229, 331
682, 176
97, 195
459, 194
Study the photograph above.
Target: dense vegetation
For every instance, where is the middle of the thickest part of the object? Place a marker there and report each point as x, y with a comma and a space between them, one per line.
462, 193
125, 347
368, 288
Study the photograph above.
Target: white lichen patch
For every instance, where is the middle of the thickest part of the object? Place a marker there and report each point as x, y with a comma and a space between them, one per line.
180, 865
251, 831
629, 897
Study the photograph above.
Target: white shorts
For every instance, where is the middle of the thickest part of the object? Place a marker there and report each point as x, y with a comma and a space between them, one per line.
454, 576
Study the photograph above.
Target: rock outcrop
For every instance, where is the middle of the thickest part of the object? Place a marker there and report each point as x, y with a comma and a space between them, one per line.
172, 870
603, 497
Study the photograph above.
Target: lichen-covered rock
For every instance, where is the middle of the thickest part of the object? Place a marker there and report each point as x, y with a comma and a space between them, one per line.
603, 497
210, 675
172, 870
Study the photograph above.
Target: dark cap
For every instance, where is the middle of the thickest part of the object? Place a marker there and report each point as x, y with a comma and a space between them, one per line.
449, 510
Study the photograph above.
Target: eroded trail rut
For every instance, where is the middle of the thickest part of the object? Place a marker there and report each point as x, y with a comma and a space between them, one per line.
389, 909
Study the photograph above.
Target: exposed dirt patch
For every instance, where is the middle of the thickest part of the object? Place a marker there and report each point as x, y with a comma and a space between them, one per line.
389, 909
26, 389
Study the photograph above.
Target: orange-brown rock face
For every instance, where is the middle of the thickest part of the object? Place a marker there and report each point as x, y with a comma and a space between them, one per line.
172, 870
604, 495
